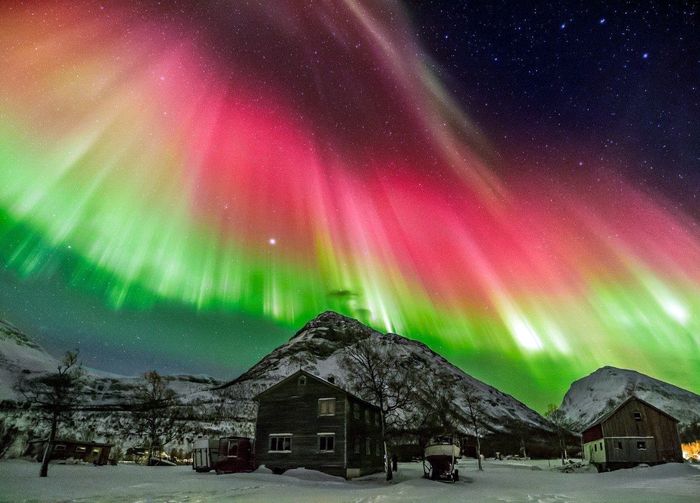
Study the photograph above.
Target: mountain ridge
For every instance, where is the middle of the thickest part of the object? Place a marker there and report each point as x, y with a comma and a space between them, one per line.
591, 396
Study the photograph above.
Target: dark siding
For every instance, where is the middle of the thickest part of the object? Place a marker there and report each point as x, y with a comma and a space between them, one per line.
593, 433
293, 408
359, 429
654, 424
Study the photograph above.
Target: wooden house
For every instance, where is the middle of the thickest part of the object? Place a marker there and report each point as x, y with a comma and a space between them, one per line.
89, 452
307, 422
634, 432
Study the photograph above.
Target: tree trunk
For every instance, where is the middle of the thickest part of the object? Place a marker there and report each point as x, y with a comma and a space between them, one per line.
478, 453
387, 461
48, 451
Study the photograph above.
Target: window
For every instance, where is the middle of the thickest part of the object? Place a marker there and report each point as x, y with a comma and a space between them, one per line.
80, 448
601, 446
641, 445
357, 445
356, 410
637, 415
326, 442
232, 448
281, 442
368, 446
595, 447
59, 447
619, 445
326, 406
302, 380
368, 418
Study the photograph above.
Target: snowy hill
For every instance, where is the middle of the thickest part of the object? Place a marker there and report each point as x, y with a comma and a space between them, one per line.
106, 394
592, 396
322, 342
21, 356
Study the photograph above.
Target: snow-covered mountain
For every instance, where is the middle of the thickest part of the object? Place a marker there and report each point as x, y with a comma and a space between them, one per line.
105, 394
21, 356
319, 346
592, 396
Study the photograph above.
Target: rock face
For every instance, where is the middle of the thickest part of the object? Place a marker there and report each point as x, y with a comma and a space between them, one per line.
320, 345
592, 396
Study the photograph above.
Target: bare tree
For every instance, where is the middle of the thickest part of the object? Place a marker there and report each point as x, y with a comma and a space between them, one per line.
155, 414
382, 378
475, 413
56, 397
563, 425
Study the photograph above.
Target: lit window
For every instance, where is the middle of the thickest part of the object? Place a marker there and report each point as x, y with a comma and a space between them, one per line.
326, 406
280, 443
641, 445
326, 442
80, 449
637, 416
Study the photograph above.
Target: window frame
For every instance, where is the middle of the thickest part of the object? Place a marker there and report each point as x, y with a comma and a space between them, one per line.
278, 437
327, 401
641, 445
322, 436
637, 415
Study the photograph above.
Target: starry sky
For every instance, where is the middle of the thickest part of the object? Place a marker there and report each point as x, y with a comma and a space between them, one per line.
183, 185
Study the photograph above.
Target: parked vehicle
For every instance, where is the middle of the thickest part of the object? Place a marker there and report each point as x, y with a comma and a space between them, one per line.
440, 459
236, 454
205, 454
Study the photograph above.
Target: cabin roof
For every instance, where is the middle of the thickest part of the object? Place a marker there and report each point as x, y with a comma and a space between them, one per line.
72, 442
327, 383
607, 415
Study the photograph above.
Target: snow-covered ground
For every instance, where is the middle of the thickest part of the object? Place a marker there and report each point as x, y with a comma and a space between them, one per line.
500, 482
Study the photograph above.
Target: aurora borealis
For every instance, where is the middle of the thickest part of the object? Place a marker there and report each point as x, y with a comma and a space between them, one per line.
274, 160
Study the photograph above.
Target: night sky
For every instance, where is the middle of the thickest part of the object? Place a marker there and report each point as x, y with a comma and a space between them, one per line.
183, 186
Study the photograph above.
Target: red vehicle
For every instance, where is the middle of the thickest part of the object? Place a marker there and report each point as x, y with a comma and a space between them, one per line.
236, 454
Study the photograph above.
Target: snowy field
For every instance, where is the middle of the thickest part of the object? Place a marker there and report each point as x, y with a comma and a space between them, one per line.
500, 482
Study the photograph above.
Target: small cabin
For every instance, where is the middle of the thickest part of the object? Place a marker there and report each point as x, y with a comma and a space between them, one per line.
634, 432
307, 422
89, 452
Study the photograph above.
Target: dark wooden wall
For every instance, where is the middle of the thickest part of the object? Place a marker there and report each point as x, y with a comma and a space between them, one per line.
359, 429
293, 408
653, 424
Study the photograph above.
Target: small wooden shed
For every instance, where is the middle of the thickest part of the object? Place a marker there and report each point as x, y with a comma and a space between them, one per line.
634, 432
305, 421
89, 452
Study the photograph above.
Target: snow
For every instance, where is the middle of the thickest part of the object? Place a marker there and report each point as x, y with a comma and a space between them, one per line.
500, 482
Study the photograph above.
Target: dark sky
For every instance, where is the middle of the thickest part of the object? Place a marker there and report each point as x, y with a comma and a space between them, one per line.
539, 77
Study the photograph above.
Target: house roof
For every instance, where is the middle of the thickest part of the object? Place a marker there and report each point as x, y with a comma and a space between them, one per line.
605, 416
327, 383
